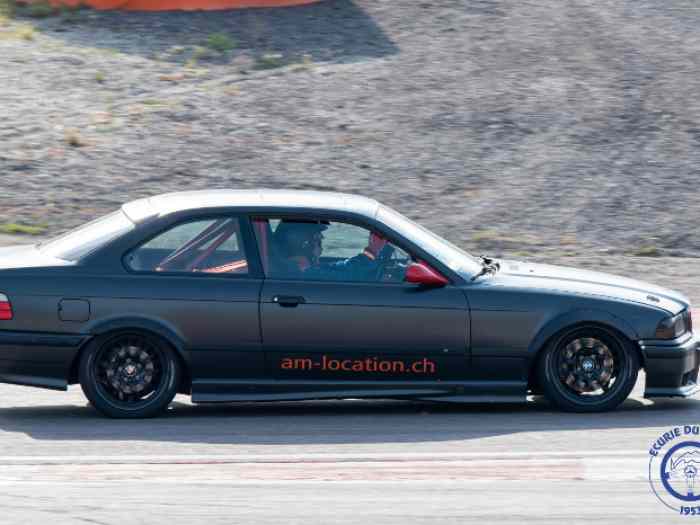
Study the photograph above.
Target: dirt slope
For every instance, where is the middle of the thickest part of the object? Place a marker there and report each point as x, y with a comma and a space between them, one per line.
508, 126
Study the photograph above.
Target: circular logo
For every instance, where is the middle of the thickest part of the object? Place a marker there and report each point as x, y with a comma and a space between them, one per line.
674, 469
679, 470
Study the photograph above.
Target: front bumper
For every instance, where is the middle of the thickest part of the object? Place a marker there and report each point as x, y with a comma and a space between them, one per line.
672, 366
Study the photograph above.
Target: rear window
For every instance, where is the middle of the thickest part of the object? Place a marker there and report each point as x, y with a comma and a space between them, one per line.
82, 241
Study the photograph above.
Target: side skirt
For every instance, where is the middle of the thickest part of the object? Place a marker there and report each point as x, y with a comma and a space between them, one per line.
275, 390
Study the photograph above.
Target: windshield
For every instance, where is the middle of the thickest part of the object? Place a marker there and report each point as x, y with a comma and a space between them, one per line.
456, 259
82, 241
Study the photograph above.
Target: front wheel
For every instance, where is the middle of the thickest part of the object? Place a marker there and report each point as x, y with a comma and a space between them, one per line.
588, 369
129, 375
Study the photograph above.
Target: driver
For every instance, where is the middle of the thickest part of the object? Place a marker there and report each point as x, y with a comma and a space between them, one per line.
298, 246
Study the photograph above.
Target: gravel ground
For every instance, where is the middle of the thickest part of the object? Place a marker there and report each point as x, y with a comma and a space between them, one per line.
518, 127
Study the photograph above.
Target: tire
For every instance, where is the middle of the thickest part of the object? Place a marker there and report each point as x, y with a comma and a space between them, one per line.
574, 370
129, 374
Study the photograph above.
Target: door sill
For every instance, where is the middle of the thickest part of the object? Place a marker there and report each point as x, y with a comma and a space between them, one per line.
300, 390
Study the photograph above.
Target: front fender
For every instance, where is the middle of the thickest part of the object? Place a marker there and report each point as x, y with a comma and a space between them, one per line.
579, 316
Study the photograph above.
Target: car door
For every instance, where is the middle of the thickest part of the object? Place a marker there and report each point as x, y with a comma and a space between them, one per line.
356, 327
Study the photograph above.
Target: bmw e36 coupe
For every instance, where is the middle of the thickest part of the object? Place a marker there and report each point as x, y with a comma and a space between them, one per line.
288, 295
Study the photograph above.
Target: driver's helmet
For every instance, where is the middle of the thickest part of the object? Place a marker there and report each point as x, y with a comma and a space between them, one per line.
298, 238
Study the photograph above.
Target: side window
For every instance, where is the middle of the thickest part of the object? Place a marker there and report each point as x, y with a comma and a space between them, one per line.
342, 240
309, 249
211, 246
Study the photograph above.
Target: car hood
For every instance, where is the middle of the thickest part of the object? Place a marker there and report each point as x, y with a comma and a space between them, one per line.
13, 257
586, 282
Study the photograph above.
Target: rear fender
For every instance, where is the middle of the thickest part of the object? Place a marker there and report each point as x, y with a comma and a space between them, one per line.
156, 326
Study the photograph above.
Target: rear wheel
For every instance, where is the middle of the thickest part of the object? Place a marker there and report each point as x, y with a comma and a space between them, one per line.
588, 369
129, 375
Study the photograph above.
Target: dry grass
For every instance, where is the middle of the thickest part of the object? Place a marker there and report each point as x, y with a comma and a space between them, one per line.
494, 236
26, 32
7, 10
154, 102
232, 90
172, 77
13, 228
647, 251
74, 139
305, 64
269, 61
18, 32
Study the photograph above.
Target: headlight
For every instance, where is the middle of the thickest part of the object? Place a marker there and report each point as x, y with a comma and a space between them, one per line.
675, 326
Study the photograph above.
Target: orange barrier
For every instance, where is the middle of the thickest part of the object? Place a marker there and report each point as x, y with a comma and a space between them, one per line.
183, 5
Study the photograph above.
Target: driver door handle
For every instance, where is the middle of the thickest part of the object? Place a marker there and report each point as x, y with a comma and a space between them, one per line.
288, 301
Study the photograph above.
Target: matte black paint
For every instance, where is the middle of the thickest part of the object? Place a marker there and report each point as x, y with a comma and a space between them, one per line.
356, 319
75, 310
231, 334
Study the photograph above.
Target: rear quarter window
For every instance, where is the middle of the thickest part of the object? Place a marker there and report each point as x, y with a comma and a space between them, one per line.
86, 239
211, 246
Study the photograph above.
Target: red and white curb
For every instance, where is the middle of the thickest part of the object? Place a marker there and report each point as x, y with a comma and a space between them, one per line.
507, 466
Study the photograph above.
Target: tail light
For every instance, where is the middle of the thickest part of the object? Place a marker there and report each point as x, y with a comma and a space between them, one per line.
5, 308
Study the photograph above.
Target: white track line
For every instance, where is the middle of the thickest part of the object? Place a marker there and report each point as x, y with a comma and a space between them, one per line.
321, 458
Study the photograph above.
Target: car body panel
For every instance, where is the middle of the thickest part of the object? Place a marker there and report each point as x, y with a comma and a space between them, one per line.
672, 366
289, 200
216, 319
363, 320
27, 256
585, 282
38, 359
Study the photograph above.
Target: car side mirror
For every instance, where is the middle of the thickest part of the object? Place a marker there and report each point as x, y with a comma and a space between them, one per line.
423, 274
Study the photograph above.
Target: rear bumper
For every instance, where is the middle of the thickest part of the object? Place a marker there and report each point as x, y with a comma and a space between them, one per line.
38, 359
672, 366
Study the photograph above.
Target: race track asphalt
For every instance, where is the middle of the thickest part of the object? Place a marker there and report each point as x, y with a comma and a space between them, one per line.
329, 462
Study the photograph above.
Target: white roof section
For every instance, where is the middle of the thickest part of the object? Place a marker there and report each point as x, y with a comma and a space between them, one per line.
168, 203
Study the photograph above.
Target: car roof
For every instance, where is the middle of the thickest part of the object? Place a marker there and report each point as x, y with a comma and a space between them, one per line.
161, 205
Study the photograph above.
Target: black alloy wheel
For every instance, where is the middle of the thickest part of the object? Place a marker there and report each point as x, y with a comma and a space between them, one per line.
588, 369
129, 375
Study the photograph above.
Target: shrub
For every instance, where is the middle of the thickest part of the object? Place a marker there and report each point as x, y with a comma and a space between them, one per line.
220, 42
40, 10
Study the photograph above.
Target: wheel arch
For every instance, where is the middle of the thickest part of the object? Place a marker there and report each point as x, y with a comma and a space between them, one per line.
151, 326
571, 321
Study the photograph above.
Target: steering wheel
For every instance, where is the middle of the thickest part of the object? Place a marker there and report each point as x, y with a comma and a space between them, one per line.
382, 261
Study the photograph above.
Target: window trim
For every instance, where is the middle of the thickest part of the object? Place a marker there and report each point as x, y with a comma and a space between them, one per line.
351, 219
252, 258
